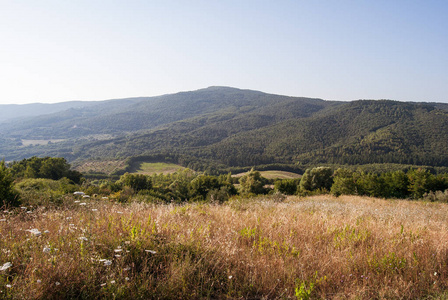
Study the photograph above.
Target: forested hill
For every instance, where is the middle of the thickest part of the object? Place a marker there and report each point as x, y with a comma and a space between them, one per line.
117, 117
224, 127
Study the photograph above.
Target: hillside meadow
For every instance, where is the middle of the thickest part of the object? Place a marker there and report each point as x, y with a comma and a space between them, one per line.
268, 247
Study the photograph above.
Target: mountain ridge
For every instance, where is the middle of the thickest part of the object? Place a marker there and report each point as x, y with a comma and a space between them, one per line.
229, 127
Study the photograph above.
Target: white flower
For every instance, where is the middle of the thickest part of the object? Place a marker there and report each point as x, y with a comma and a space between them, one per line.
112, 281
47, 250
107, 262
83, 238
151, 251
435, 273
118, 250
8, 286
23, 207
230, 277
39, 281
83, 203
126, 278
47, 231
103, 284
94, 209
35, 231
57, 283
6, 266
77, 201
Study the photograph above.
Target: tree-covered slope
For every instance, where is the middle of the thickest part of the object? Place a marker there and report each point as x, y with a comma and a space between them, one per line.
232, 127
122, 116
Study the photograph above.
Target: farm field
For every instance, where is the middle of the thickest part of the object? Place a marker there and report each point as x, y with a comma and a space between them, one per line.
273, 174
155, 168
105, 166
26, 143
268, 247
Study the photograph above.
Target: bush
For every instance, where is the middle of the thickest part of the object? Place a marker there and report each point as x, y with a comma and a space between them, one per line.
8, 196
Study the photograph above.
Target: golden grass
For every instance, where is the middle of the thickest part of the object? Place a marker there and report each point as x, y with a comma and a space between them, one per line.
317, 247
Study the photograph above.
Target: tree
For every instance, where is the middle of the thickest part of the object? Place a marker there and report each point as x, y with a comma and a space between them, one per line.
8, 196
137, 182
286, 186
202, 185
253, 183
344, 183
316, 178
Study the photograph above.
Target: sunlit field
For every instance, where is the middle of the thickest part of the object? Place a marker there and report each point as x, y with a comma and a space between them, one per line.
262, 248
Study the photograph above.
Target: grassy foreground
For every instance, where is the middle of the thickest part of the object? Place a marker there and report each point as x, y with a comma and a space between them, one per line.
316, 247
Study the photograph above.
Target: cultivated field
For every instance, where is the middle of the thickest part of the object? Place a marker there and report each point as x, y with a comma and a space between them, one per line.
155, 168
274, 174
105, 166
263, 248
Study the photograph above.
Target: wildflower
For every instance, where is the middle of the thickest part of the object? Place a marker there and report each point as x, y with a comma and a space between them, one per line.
23, 207
47, 250
126, 278
118, 250
94, 209
151, 251
6, 266
39, 281
230, 277
83, 203
117, 255
57, 283
103, 284
435, 273
77, 201
9, 286
35, 231
29, 212
47, 231
83, 238
107, 262
112, 281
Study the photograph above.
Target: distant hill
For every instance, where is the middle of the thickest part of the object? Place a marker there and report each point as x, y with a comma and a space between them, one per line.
228, 127
10, 112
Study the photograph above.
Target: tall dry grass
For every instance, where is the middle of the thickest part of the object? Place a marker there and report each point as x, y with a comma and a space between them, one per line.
316, 247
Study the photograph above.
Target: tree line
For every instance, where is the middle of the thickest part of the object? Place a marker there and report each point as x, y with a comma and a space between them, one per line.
54, 177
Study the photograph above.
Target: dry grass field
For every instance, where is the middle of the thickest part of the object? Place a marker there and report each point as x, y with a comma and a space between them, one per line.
262, 248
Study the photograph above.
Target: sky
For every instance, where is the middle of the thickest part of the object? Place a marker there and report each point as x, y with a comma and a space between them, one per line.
63, 50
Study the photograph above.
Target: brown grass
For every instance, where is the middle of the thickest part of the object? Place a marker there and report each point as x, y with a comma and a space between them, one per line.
317, 247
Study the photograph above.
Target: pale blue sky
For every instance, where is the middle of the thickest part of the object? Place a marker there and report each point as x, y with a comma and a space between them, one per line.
54, 51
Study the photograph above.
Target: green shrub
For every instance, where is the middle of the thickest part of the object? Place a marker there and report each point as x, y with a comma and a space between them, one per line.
8, 196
